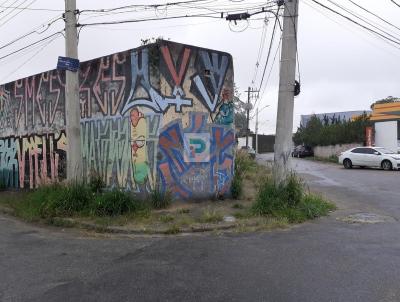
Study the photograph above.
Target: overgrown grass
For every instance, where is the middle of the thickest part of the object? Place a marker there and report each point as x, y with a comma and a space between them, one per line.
211, 216
160, 199
290, 201
75, 199
243, 165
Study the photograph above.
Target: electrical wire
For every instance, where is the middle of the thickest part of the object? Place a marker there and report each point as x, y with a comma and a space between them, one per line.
364, 20
139, 5
30, 45
30, 58
270, 71
355, 22
36, 30
260, 51
18, 12
149, 19
33, 9
268, 55
395, 3
319, 10
373, 14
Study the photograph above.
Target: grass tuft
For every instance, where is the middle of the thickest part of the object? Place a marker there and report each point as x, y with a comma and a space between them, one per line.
160, 199
211, 216
289, 201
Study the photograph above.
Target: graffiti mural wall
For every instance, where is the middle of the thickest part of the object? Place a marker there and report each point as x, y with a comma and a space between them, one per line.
157, 116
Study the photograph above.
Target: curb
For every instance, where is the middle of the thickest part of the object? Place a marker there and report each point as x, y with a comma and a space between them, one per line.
143, 231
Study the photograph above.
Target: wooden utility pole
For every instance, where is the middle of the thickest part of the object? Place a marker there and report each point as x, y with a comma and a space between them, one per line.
72, 106
284, 122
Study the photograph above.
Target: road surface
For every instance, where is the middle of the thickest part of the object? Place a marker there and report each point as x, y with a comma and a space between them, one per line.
324, 260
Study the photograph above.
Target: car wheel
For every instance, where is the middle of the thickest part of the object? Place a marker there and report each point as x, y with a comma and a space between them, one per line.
347, 164
386, 165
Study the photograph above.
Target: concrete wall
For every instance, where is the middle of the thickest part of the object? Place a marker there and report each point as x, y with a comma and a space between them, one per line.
334, 150
386, 135
156, 115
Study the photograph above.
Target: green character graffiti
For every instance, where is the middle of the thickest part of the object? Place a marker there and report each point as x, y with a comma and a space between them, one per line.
138, 146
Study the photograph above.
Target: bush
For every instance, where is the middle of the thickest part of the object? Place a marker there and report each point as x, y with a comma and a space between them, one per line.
271, 198
114, 203
315, 206
96, 183
289, 201
160, 199
243, 164
59, 200
236, 186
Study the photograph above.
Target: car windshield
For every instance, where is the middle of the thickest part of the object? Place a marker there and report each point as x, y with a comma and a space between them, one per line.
385, 151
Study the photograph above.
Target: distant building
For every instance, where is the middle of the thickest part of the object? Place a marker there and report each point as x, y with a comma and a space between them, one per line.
387, 125
345, 115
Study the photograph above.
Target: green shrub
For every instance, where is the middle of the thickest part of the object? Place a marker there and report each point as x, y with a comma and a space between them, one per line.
96, 182
113, 203
315, 206
236, 186
160, 199
289, 201
59, 200
2, 185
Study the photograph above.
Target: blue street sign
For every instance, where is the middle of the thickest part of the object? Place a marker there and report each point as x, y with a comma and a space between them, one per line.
70, 64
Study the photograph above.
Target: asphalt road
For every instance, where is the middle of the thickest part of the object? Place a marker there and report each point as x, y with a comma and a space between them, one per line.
325, 260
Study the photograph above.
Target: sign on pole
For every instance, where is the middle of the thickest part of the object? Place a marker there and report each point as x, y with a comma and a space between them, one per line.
65, 63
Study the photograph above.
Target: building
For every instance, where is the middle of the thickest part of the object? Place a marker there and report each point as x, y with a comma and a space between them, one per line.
158, 116
345, 115
386, 118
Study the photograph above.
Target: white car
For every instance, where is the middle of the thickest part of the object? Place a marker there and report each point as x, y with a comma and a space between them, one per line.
370, 157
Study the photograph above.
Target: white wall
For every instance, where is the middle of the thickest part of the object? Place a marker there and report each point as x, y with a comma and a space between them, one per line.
333, 150
242, 142
386, 135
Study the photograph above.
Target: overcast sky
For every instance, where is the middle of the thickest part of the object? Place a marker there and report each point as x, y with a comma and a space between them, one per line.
342, 67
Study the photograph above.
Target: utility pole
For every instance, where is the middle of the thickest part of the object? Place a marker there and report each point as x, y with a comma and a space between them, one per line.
249, 91
257, 130
248, 117
284, 122
72, 105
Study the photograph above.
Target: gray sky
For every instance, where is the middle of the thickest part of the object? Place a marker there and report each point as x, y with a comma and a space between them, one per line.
342, 66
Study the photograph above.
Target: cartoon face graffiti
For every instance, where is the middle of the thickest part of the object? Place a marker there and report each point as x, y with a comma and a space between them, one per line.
225, 114
138, 146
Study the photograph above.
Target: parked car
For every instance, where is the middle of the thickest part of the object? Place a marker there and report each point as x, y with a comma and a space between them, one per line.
302, 151
249, 151
370, 157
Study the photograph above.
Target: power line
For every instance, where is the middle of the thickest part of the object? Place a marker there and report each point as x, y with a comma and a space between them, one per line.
395, 3
375, 15
22, 9
149, 19
357, 23
31, 57
140, 5
32, 9
268, 55
270, 71
30, 45
319, 10
48, 25
363, 19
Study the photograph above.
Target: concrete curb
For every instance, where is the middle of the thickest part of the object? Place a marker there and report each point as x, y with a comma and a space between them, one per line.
198, 228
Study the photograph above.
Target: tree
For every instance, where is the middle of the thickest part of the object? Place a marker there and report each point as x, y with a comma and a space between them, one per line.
240, 112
